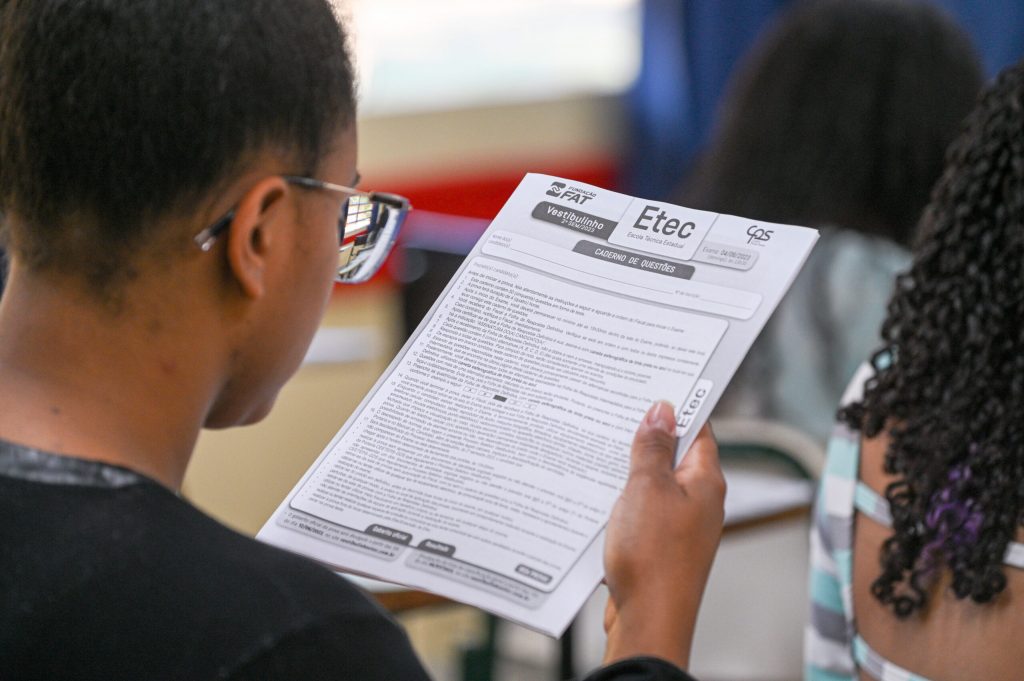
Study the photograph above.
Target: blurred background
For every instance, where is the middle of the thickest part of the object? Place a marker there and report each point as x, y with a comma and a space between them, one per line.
460, 98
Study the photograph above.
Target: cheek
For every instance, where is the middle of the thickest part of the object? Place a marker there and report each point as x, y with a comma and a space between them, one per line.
307, 301
318, 287
322, 276
330, 268
322, 258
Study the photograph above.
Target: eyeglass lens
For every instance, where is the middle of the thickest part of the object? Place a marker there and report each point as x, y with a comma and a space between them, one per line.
361, 230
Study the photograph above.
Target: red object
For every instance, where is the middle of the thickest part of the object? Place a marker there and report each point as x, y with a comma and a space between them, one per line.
481, 195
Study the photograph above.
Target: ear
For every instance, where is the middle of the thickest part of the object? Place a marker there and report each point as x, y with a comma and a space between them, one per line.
251, 235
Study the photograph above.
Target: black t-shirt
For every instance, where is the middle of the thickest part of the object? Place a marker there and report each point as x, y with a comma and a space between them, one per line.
105, 574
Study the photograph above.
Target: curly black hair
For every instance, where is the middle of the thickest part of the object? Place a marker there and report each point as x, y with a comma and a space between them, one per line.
949, 379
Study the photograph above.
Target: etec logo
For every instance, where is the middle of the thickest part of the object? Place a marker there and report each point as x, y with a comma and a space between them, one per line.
572, 194
758, 234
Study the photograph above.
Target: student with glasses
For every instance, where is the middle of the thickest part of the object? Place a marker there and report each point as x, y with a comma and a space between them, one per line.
178, 184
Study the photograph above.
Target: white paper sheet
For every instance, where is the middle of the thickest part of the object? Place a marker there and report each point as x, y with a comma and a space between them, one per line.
485, 462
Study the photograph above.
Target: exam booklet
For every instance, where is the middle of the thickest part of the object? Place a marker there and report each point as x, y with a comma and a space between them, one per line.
484, 463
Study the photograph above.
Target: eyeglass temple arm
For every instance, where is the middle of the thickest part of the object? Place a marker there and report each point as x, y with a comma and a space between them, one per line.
206, 238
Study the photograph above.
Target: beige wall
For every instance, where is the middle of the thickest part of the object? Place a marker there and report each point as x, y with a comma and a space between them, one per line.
429, 147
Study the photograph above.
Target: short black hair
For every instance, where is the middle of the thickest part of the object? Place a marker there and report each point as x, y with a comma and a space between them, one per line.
115, 113
840, 116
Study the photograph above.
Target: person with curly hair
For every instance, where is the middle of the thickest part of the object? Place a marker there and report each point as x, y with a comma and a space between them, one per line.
916, 556
838, 119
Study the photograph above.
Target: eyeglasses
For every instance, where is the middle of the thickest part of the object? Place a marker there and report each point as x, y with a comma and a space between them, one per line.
368, 227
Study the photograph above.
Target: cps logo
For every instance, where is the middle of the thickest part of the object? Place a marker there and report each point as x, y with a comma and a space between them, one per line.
758, 234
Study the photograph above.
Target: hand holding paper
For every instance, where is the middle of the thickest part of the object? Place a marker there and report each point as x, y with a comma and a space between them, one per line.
661, 541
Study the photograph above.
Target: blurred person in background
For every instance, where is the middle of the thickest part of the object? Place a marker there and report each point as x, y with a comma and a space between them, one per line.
837, 120
917, 565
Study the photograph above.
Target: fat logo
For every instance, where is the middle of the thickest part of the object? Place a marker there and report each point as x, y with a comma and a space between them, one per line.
758, 234
556, 189
571, 194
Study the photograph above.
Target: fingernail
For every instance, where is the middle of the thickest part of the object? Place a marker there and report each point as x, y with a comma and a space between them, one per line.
661, 416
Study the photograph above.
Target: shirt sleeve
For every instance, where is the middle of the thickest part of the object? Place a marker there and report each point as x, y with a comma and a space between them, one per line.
640, 669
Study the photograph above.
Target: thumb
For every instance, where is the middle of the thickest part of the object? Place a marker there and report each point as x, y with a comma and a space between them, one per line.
654, 444
703, 453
